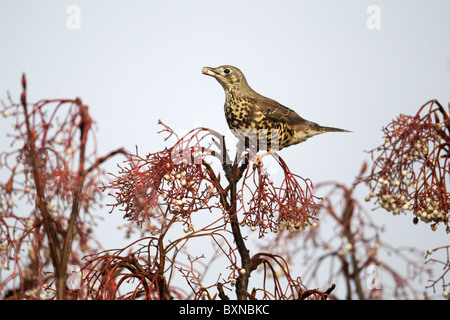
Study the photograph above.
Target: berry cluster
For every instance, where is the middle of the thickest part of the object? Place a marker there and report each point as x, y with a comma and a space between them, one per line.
411, 168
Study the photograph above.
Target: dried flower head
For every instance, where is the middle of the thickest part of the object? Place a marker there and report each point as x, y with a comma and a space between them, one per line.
411, 168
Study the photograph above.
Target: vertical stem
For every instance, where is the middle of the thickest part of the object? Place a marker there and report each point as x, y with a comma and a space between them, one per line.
84, 126
233, 174
242, 283
354, 275
53, 241
61, 286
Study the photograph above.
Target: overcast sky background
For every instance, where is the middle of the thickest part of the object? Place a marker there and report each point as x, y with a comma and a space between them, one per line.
134, 62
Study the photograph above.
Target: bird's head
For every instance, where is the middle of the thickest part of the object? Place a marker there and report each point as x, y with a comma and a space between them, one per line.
228, 76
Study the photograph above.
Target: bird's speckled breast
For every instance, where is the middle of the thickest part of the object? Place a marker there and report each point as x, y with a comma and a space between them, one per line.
246, 122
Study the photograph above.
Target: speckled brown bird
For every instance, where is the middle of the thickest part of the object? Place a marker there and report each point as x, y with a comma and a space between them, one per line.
254, 117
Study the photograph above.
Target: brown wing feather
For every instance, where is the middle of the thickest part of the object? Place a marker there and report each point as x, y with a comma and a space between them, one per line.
275, 111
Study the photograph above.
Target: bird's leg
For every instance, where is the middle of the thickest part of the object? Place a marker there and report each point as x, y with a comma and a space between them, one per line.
258, 158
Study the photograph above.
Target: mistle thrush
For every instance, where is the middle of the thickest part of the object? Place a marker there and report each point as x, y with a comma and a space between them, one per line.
255, 118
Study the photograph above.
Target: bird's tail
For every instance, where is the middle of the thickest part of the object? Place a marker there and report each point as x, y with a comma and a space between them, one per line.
331, 129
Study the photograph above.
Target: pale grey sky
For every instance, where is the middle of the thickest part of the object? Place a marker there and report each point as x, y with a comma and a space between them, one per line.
134, 62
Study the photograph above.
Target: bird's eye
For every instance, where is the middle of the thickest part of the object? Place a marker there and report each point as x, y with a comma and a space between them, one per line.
227, 71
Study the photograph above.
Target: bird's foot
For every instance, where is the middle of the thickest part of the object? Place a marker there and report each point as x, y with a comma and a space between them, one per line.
257, 160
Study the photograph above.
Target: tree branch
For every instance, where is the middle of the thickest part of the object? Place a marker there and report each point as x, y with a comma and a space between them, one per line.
41, 202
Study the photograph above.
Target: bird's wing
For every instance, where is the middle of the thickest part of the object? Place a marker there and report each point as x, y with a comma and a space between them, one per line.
275, 111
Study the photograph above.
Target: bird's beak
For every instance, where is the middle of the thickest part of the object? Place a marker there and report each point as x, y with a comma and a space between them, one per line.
210, 72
